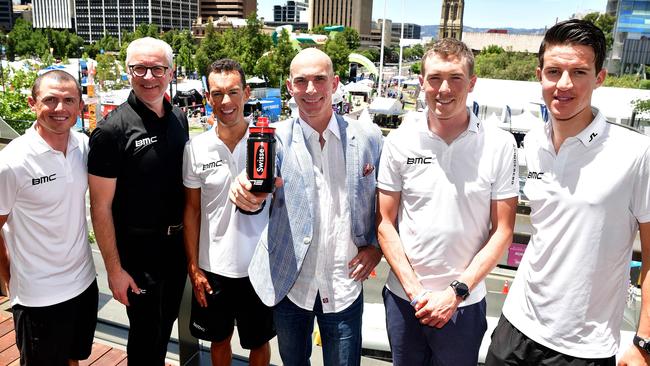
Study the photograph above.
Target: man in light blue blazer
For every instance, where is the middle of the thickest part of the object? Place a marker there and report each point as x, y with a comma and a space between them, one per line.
320, 243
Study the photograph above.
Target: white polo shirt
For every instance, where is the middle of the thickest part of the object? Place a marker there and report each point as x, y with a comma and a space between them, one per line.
227, 237
586, 200
44, 194
446, 192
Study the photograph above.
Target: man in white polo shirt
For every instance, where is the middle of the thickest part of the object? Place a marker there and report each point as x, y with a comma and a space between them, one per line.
219, 238
589, 192
448, 182
44, 253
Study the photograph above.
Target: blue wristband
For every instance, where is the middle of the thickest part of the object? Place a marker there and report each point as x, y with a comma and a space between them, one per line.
417, 298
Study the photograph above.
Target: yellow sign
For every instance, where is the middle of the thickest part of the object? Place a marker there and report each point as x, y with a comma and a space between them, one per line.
92, 116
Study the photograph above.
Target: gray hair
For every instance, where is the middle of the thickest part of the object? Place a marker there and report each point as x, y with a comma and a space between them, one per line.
150, 42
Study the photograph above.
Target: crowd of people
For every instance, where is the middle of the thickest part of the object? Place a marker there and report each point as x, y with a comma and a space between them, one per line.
436, 198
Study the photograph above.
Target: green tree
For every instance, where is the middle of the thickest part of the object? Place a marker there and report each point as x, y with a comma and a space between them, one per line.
252, 43
496, 63
184, 58
351, 38
108, 71
147, 30
371, 54
416, 68
210, 47
319, 29
337, 49
606, 24
25, 41
13, 104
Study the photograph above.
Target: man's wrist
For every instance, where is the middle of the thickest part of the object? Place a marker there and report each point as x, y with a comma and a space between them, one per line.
419, 297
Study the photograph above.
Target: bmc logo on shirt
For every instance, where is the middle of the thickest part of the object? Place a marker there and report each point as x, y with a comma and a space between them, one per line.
44, 179
146, 141
535, 175
419, 160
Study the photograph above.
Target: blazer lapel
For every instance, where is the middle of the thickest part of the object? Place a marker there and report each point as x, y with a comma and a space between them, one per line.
305, 165
350, 151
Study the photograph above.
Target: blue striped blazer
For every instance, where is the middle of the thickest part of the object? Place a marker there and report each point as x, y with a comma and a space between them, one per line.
280, 253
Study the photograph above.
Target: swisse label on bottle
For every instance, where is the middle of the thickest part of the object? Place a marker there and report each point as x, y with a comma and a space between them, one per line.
260, 169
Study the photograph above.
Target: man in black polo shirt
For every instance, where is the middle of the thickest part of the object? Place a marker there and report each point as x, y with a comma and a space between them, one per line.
136, 193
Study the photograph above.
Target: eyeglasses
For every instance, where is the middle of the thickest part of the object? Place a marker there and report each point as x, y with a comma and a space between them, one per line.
141, 70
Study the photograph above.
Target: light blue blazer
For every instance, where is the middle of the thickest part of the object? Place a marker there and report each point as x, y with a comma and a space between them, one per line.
280, 253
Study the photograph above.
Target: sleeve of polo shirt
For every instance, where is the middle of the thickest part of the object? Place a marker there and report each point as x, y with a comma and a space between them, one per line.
641, 189
506, 183
190, 178
104, 154
389, 177
8, 189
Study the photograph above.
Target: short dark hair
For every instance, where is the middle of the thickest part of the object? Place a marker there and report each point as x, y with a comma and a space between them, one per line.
450, 47
226, 64
57, 75
575, 32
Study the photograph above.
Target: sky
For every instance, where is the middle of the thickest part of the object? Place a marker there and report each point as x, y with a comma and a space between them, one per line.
478, 13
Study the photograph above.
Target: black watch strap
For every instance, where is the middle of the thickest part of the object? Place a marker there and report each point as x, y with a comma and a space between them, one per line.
642, 343
461, 289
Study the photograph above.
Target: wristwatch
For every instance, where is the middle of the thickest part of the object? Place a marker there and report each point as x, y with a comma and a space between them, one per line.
642, 343
460, 289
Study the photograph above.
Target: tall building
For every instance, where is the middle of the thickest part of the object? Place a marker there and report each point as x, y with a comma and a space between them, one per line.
355, 14
376, 30
292, 12
411, 31
98, 17
631, 49
57, 14
6, 15
229, 8
451, 19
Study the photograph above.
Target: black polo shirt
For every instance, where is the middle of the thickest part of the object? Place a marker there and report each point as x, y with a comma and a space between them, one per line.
145, 154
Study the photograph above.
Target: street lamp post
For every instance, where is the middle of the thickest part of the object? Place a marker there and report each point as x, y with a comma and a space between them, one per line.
2, 71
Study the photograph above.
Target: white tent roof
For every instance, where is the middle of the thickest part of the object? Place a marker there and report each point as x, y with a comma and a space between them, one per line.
614, 103
255, 80
357, 88
388, 106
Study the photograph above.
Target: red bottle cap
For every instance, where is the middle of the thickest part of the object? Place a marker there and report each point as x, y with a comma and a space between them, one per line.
262, 126
262, 122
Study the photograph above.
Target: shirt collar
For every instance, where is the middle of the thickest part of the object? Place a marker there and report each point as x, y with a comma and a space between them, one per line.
588, 136
41, 146
332, 126
475, 124
144, 111
594, 130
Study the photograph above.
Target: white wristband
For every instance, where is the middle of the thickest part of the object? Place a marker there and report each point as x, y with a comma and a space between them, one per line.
417, 298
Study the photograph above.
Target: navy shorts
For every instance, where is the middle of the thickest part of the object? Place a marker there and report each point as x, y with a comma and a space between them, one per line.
455, 344
52, 335
232, 299
509, 346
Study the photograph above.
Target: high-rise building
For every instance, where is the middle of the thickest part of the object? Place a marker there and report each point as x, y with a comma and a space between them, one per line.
292, 12
6, 15
96, 18
411, 31
631, 49
229, 8
355, 14
57, 14
451, 19
376, 31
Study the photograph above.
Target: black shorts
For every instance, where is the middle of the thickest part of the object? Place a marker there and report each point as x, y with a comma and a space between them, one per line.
232, 299
52, 335
509, 346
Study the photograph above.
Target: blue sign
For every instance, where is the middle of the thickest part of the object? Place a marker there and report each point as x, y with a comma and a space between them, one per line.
271, 107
